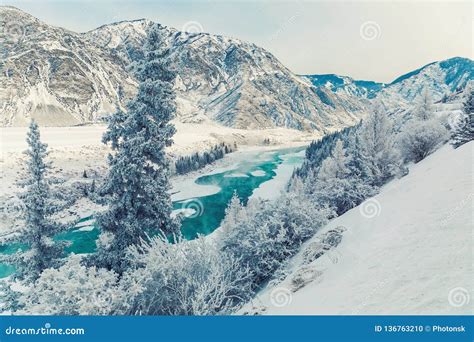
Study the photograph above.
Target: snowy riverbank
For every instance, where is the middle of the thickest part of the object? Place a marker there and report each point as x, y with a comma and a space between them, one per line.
74, 150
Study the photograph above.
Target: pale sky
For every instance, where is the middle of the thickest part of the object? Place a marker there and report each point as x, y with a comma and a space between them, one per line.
309, 37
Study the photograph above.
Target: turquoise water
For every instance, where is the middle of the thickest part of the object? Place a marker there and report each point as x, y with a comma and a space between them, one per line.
6, 270
207, 211
243, 180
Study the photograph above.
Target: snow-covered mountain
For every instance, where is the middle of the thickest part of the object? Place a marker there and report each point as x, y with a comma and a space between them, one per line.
232, 82
441, 78
345, 84
54, 75
63, 78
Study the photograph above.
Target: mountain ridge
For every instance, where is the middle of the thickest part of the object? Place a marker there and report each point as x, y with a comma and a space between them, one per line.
62, 78
220, 79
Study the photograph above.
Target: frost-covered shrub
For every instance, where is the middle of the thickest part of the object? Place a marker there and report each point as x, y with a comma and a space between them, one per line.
187, 278
74, 289
419, 138
423, 133
263, 235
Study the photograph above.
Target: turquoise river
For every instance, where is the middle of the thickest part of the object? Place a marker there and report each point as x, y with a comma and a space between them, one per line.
203, 213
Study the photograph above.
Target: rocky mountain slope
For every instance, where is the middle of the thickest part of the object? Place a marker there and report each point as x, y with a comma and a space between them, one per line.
65, 78
234, 83
442, 79
54, 75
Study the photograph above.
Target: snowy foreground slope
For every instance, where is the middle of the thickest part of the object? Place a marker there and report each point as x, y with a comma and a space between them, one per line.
406, 251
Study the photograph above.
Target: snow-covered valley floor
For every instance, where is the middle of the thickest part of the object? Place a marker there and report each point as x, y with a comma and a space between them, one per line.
74, 150
407, 250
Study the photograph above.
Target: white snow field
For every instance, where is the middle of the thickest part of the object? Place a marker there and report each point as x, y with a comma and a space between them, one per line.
407, 250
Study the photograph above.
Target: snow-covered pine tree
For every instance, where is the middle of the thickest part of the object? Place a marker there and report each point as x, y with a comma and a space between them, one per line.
320, 149
424, 109
138, 178
464, 131
420, 138
37, 210
336, 185
377, 144
356, 162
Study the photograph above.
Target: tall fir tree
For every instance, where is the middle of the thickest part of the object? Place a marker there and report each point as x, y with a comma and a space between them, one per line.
138, 179
464, 131
38, 208
377, 142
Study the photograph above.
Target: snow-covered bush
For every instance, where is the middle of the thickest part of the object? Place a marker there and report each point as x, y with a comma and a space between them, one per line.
187, 278
263, 235
419, 138
423, 133
9, 298
74, 289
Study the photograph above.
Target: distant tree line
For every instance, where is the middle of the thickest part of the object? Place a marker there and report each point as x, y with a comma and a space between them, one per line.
198, 160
